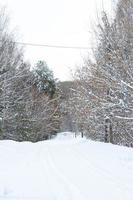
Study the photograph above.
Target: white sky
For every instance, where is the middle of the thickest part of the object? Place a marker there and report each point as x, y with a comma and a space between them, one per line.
55, 22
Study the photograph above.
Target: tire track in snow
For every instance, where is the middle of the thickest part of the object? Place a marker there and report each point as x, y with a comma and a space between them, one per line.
70, 190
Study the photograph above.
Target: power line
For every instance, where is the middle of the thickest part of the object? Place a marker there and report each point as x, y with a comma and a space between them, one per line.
53, 46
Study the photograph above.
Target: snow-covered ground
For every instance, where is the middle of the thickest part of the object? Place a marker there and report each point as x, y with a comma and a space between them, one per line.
65, 168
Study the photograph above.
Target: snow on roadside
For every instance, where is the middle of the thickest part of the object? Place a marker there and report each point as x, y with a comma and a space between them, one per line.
65, 168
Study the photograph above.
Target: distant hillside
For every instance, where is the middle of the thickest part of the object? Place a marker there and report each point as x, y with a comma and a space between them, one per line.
65, 88
65, 91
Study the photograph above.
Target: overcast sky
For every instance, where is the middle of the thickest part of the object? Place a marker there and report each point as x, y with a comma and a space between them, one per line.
55, 22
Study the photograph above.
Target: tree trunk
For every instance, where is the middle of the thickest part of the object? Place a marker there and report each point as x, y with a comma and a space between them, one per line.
111, 133
82, 134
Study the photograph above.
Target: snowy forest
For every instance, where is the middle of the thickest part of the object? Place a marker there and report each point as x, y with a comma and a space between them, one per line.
98, 102
102, 100
29, 108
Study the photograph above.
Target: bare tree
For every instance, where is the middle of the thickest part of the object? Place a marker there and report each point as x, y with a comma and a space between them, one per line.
26, 112
104, 96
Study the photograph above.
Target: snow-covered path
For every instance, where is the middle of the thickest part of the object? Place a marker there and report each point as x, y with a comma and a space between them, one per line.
65, 169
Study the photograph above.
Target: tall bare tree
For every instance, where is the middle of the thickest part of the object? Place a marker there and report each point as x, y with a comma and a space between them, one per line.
29, 108
104, 94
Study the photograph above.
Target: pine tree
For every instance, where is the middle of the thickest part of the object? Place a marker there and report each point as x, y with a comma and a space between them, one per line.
44, 79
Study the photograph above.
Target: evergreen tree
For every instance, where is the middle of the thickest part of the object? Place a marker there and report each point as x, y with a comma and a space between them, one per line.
44, 79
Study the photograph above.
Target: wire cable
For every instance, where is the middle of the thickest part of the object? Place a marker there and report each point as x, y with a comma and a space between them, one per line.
53, 46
